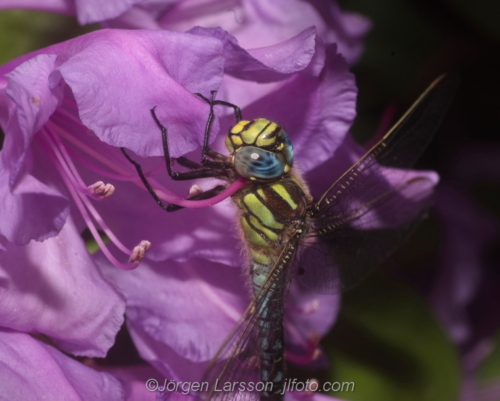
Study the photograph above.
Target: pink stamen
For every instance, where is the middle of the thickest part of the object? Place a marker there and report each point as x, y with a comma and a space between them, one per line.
104, 227
131, 177
312, 351
306, 309
139, 251
98, 190
69, 168
161, 190
83, 204
197, 204
107, 161
102, 190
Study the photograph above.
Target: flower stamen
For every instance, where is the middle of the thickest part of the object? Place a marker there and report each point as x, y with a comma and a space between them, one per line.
313, 352
114, 163
102, 190
74, 183
139, 251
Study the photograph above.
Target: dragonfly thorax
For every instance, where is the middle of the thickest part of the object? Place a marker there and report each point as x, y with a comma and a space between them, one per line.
260, 149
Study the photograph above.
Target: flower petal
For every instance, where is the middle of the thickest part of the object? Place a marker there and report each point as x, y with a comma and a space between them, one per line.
309, 313
31, 210
143, 70
259, 23
32, 370
179, 313
35, 100
321, 114
267, 64
89, 11
52, 287
52, 6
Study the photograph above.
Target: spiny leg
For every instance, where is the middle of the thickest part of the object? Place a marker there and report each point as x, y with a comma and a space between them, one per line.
145, 181
170, 207
198, 171
237, 110
220, 161
187, 175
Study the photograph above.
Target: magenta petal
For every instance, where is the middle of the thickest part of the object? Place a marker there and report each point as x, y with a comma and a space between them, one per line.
53, 287
139, 382
205, 233
267, 64
32, 370
298, 396
35, 99
347, 29
260, 23
320, 115
89, 11
53, 6
291, 55
179, 313
309, 313
134, 18
31, 210
143, 70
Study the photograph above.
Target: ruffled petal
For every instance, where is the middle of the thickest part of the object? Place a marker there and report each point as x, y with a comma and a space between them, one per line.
272, 63
31, 210
89, 11
35, 99
260, 23
320, 115
143, 70
179, 313
52, 6
53, 287
32, 370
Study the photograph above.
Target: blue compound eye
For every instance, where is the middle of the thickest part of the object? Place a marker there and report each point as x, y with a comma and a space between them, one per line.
254, 162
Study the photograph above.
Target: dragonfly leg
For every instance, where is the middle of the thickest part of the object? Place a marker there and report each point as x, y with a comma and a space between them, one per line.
213, 164
219, 160
195, 174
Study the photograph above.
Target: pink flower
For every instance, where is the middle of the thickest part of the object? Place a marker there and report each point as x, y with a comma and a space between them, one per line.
255, 23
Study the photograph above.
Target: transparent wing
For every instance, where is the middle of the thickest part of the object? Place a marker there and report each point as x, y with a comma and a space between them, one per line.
239, 362
377, 203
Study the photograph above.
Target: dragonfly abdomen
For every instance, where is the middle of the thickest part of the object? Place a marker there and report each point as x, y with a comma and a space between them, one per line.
269, 215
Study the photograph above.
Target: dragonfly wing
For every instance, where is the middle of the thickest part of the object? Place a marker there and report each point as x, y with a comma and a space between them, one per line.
239, 362
333, 260
376, 203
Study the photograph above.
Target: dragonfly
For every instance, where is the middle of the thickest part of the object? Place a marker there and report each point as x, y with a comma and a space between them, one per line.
328, 244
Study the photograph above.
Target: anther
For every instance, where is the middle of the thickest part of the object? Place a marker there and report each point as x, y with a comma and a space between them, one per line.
139, 251
195, 190
310, 307
102, 190
312, 353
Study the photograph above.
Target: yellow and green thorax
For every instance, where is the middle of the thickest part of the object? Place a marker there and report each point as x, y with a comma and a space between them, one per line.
276, 197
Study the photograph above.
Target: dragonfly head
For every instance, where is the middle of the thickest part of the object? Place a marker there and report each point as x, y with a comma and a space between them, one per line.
260, 149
